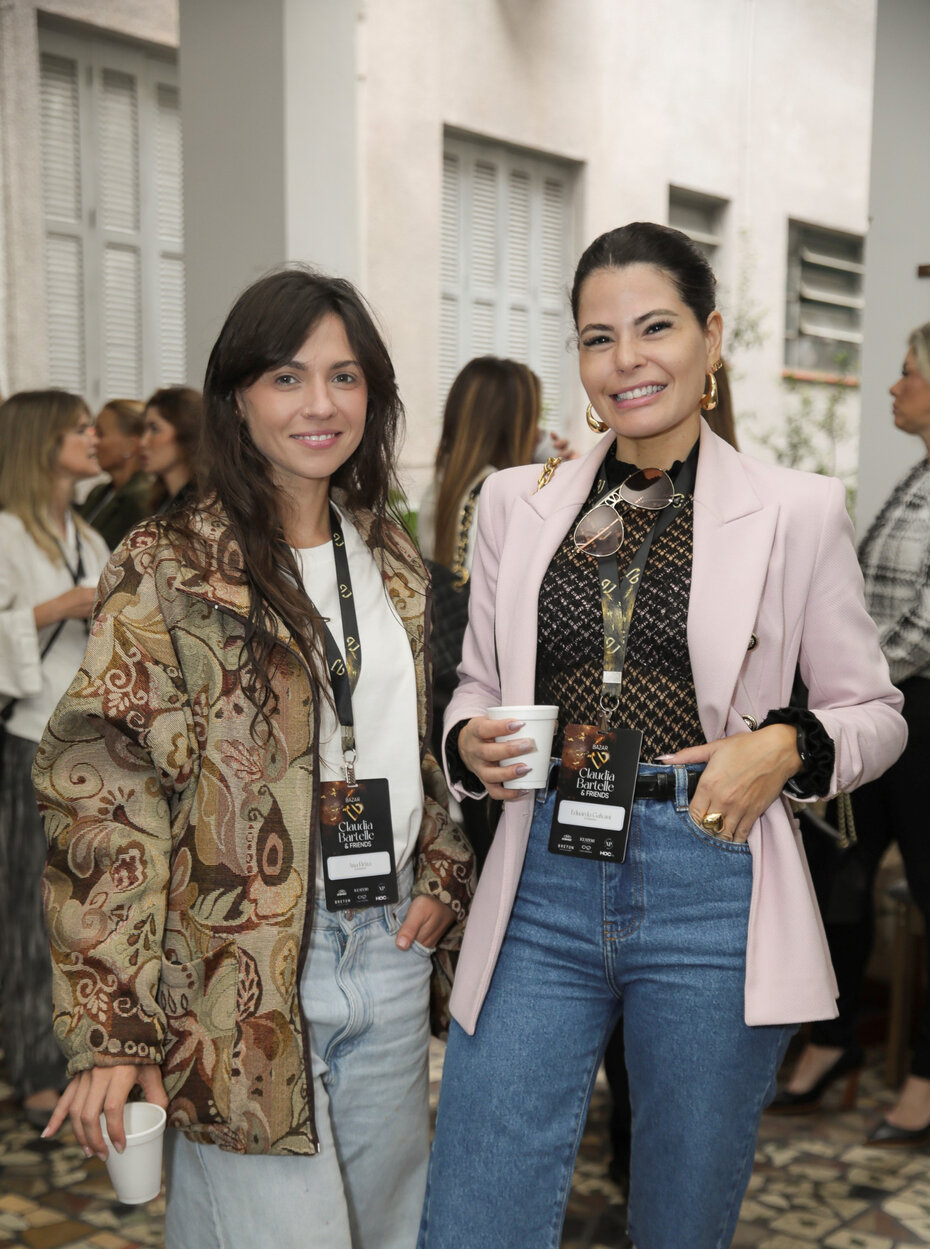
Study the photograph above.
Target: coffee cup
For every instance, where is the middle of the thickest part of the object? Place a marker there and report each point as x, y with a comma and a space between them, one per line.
136, 1173
539, 722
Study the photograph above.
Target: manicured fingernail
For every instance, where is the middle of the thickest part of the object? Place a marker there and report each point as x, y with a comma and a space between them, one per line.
522, 769
44, 1133
403, 943
513, 725
88, 1152
663, 758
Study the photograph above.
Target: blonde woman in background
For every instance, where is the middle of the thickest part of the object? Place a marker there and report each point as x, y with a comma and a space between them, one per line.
116, 505
50, 561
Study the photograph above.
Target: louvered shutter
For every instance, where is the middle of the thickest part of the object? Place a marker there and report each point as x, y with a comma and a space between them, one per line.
64, 235
111, 182
505, 236
450, 262
170, 215
119, 223
553, 324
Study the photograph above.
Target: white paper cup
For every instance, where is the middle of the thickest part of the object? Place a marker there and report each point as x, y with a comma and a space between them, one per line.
136, 1173
539, 723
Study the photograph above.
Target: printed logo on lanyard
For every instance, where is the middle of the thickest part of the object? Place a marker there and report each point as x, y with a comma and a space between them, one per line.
356, 836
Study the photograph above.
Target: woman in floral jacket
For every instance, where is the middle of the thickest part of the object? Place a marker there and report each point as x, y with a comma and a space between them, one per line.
268, 983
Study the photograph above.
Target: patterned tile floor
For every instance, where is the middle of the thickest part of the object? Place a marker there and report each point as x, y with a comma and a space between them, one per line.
814, 1184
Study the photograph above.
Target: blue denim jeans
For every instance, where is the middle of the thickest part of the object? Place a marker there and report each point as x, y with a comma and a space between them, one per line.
368, 1007
659, 939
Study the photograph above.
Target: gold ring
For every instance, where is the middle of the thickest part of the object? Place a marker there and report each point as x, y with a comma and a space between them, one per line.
713, 822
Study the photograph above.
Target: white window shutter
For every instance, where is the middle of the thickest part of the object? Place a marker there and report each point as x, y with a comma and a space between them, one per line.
60, 130
64, 292
118, 151
171, 320
506, 230
119, 221
59, 114
111, 180
122, 322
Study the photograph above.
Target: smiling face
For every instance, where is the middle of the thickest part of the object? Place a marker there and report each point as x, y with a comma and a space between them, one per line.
643, 358
911, 394
159, 451
307, 416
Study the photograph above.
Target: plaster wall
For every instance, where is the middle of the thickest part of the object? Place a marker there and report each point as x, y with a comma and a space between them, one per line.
272, 153
767, 105
897, 300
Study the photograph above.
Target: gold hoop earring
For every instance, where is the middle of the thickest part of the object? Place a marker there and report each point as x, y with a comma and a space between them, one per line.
709, 397
595, 424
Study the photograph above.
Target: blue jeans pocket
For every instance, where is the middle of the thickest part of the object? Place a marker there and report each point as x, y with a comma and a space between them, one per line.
719, 843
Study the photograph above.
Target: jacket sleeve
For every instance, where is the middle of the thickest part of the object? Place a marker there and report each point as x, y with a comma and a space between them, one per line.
906, 641
20, 663
111, 774
479, 681
445, 860
841, 660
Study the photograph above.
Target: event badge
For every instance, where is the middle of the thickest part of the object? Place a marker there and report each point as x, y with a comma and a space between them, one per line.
357, 842
594, 797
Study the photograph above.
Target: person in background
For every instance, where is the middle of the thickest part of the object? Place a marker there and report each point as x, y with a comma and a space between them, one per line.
171, 431
895, 560
661, 591
50, 561
266, 867
490, 421
116, 505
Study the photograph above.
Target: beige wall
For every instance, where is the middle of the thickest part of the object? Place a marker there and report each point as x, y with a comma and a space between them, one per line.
765, 103
314, 131
897, 300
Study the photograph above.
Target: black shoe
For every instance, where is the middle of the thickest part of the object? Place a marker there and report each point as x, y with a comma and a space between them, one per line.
887, 1134
849, 1064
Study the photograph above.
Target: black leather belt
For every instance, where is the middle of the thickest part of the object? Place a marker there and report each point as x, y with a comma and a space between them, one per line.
660, 786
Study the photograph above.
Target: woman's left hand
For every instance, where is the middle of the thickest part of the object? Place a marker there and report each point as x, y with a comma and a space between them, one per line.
743, 777
426, 921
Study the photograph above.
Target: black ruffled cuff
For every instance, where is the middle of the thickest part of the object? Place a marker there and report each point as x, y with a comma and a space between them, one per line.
458, 772
816, 748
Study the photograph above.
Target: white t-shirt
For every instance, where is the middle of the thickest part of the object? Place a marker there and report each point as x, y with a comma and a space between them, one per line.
384, 705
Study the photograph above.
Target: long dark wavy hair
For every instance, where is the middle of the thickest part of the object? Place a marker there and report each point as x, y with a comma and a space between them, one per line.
266, 327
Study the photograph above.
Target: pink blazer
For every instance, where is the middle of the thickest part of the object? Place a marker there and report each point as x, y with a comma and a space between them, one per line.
774, 557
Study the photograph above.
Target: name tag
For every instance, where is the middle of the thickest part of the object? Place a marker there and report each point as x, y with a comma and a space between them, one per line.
357, 843
594, 795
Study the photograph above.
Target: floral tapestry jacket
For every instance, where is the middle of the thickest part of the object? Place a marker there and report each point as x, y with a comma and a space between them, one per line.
180, 877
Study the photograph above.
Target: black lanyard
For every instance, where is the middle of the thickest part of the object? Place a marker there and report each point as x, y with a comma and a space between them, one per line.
618, 595
344, 673
77, 574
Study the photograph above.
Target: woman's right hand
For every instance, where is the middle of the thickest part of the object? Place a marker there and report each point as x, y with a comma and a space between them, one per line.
482, 755
104, 1090
75, 604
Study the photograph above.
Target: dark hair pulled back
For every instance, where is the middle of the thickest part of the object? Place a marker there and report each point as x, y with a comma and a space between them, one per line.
265, 328
645, 243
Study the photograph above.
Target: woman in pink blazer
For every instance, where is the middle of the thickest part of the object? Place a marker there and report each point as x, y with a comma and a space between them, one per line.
672, 892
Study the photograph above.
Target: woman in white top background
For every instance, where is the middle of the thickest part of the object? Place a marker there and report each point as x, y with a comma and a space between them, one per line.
49, 564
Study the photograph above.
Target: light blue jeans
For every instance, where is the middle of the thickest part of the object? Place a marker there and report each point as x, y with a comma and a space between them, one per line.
660, 939
368, 1006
